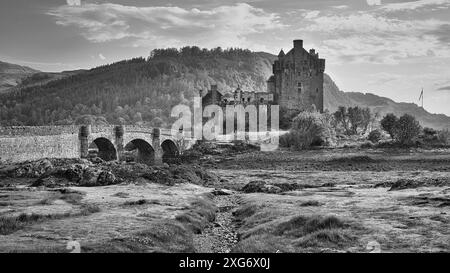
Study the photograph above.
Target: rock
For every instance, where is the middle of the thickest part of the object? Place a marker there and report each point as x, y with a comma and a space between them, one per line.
261, 186
218, 192
74, 172
34, 169
90, 176
48, 182
106, 178
402, 184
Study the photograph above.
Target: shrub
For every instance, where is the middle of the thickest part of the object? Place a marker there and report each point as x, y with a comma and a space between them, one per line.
374, 136
443, 137
407, 128
367, 145
429, 131
388, 124
309, 129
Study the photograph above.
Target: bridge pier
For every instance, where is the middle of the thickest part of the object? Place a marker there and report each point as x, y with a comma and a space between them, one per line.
83, 136
118, 139
156, 143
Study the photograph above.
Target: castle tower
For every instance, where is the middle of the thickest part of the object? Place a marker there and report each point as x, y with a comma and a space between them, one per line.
297, 81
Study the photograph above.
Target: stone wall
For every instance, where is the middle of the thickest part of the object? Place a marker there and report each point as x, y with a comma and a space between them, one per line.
23, 148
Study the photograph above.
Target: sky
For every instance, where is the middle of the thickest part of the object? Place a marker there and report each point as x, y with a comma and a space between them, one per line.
391, 48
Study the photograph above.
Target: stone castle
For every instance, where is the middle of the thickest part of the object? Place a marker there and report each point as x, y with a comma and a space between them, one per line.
296, 83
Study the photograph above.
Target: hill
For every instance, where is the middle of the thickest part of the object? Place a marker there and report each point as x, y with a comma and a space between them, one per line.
145, 90
335, 98
12, 74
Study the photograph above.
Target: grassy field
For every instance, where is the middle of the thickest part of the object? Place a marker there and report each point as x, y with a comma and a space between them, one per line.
337, 200
344, 201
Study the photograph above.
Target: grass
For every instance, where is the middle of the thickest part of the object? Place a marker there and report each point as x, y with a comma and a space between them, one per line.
11, 224
67, 195
310, 203
301, 225
261, 231
201, 212
326, 238
139, 202
160, 237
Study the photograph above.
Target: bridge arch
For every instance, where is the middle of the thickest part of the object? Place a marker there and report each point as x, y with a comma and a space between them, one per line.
170, 150
141, 151
104, 149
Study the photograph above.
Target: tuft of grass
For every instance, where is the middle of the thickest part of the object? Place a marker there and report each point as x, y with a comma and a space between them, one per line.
73, 198
201, 212
160, 237
326, 238
302, 225
87, 209
310, 203
11, 224
67, 195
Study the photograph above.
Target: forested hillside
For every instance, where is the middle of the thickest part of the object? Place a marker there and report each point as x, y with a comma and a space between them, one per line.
135, 91
11, 75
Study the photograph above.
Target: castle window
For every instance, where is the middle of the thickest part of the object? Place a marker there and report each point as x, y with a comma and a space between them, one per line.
317, 90
299, 87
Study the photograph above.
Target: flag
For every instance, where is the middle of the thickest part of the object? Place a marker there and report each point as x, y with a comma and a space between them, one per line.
421, 95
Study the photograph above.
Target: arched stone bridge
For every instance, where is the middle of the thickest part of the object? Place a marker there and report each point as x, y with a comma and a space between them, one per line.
142, 144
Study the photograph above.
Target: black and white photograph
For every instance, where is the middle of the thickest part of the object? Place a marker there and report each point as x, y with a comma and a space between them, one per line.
225, 127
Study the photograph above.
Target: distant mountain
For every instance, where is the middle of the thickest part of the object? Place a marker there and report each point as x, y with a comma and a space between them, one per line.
335, 98
144, 90
11, 75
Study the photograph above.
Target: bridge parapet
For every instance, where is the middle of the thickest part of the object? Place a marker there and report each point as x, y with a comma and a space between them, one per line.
12, 131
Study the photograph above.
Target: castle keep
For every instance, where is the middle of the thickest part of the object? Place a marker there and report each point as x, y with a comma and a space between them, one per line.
297, 81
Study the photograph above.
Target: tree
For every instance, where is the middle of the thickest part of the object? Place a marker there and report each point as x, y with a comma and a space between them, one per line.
388, 124
407, 128
341, 117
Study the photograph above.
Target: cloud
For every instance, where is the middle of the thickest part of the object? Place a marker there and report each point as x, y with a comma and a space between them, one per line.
74, 2
374, 38
444, 88
311, 14
415, 5
167, 26
373, 2
101, 56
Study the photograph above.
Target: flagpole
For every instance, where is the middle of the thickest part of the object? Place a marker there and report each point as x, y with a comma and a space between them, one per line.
423, 95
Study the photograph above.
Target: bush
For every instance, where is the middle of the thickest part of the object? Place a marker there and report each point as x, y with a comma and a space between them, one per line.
388, 124
407, 128
443, 137
309, 129
374, 136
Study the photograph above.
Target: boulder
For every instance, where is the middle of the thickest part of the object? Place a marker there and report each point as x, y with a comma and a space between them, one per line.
106, 178
261, 186
34, 169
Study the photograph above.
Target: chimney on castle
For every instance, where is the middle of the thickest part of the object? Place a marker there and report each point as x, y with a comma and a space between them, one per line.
312, 51
214, 93
298, 44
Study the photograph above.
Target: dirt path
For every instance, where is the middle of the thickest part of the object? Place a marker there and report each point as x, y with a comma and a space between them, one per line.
220, 236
